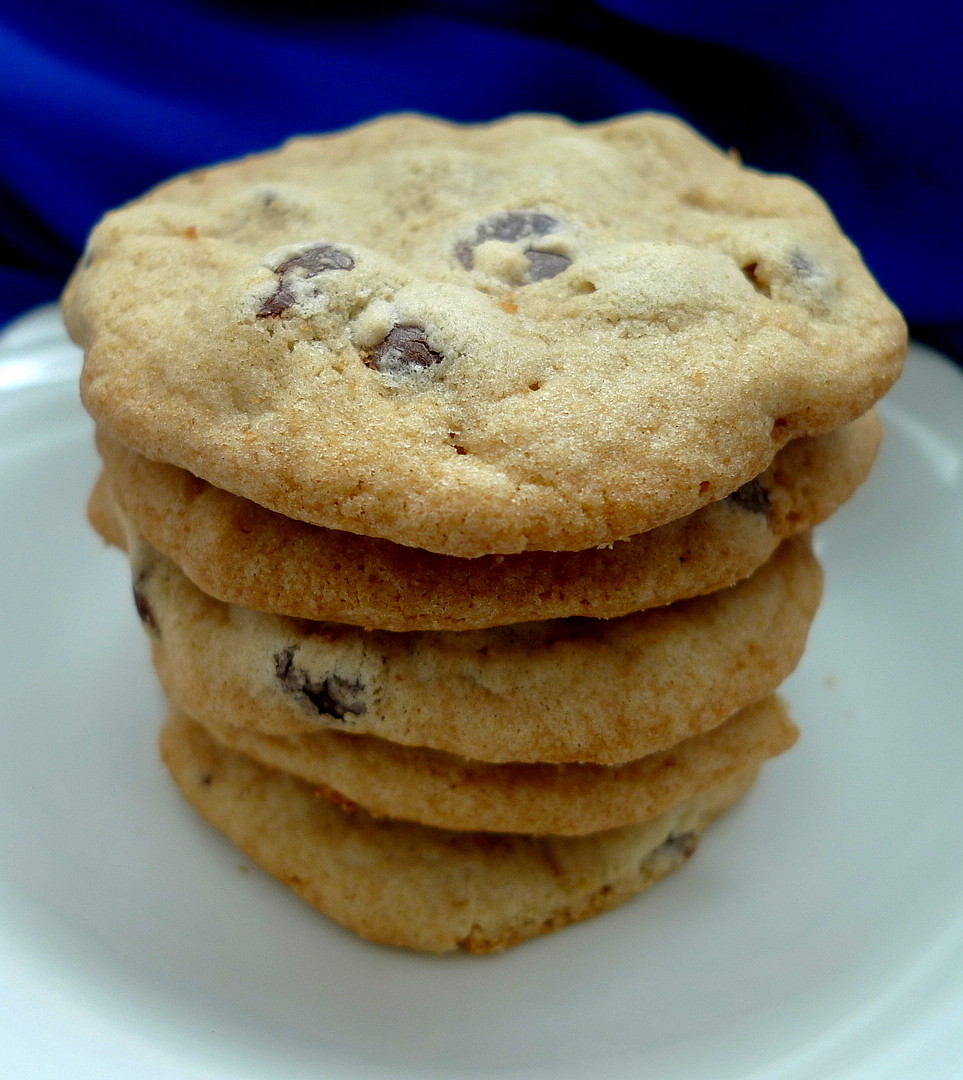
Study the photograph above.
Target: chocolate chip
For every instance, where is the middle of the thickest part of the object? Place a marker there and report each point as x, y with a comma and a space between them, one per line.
143, 605
684, 842
331, 695
509, 226
515, 225
403, 351
752, 497
313, 261
318, 259
277, 303
545, 264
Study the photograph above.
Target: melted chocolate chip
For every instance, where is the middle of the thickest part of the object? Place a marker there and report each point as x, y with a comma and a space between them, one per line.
545, 264
510, 227
330, 696
515, 225
317, 259
684, 842
752, 497
403, 351
144, 610
277, 303
313, 261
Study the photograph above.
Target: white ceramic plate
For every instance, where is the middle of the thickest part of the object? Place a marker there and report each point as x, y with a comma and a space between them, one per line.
818, 932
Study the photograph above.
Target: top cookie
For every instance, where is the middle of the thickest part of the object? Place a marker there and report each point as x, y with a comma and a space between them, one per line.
530, 335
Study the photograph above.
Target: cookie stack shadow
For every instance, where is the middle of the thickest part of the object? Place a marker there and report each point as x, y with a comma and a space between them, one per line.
442, 752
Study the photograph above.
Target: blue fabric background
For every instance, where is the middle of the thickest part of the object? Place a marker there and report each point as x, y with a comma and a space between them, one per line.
864, 100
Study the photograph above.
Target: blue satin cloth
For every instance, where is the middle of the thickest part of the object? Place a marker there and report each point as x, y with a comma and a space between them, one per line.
98, 101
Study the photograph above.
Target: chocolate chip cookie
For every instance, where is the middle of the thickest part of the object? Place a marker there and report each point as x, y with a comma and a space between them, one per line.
429, 889
560, 690
479, 339
243, 554
451, 792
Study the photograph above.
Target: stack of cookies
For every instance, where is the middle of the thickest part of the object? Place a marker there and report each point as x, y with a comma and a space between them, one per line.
467, 475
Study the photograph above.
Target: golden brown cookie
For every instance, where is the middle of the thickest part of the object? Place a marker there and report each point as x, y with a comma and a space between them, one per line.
244, 554
562, 690
401, 884
526, 335
450, 792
